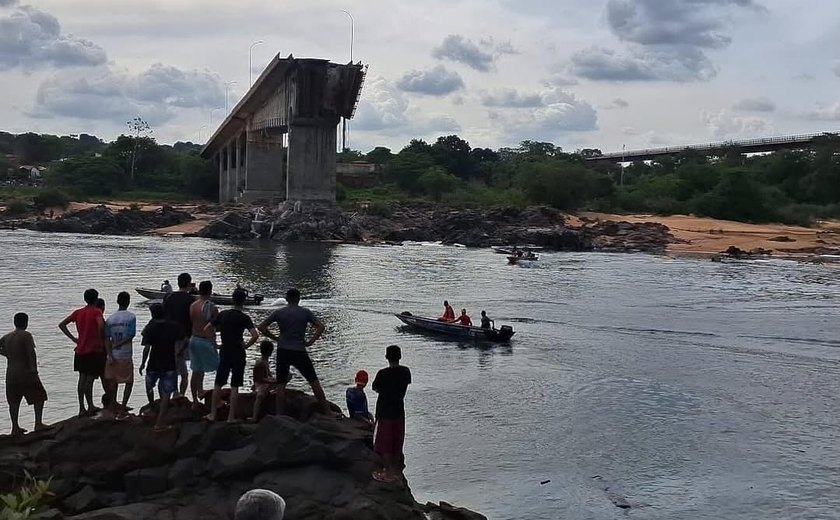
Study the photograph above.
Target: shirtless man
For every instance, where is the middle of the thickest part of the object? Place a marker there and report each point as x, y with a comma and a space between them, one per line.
203, 355
22, 379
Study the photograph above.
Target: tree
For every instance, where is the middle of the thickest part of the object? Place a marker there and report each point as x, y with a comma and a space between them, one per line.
138, 127
89, 175
436, 182
379, 155
348, 156
453, 154
407, 167
563, 185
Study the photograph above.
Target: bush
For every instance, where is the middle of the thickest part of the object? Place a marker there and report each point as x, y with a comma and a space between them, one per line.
51, 198
436, 181
16, 207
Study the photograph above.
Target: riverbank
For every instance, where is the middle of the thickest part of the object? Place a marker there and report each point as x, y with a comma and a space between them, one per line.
421, 222
106, 469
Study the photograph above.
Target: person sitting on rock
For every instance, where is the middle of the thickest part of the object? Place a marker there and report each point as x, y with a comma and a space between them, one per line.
260, 504
263, 382
357, 403
448, 313
391, 384
159, 338
464, 319
22, 380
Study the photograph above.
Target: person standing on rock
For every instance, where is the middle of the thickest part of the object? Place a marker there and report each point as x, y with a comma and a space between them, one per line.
177, 308
391, 384
160, 337
204, 358
120, 327
22, 381
232, 324
89, 358
293, 321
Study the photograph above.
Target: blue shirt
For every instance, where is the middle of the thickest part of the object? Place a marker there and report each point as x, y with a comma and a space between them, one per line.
357, 405
120, 326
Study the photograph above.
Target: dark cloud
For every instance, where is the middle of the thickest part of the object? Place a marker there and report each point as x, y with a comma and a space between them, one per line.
837, 69
681, 65
31, 38
438, 81
481, 57
755, 105
511, 98
108, 95
8, 3
666, 40
617, 103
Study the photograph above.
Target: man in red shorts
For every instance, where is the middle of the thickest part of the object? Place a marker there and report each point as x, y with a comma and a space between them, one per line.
391, 384
89, 359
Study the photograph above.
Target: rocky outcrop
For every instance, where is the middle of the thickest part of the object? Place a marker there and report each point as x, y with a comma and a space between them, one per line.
627, 237
115, 470
102, 220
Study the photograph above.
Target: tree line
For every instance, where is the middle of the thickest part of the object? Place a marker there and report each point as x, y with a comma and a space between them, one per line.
794, 186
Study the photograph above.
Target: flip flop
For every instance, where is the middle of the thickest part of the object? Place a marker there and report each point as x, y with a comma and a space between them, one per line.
381, 476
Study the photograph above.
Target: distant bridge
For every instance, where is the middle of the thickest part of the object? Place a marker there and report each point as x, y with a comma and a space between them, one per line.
767, 144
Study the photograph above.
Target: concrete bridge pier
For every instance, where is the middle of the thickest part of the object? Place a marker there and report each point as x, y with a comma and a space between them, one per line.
311, 169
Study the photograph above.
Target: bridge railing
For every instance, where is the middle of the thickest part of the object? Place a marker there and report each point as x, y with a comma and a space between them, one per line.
765, 141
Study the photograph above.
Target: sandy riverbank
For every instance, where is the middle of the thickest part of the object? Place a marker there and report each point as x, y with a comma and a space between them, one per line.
707, 236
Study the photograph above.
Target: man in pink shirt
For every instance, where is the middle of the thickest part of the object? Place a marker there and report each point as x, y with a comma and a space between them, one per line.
89, 359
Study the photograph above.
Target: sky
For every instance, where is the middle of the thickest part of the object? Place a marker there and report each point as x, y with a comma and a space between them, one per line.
579, 73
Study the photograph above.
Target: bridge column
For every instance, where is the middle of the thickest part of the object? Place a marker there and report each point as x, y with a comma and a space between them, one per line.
311, 168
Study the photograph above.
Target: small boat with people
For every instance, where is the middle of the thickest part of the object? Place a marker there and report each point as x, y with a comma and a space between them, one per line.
218, 299
436, 325
523, 258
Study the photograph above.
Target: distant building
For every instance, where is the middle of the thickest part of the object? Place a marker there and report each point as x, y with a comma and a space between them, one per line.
358, 174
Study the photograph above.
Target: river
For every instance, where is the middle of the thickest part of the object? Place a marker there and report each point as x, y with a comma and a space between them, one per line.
682, 388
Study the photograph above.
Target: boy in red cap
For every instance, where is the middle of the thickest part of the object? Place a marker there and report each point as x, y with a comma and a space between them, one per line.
357, 404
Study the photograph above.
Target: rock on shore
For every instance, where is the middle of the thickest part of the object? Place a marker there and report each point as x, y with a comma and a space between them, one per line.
115, 470
102, 220
419, 222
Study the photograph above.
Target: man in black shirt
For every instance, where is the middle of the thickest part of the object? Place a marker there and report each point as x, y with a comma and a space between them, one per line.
159, 339
177, 307
232, 324
391, 384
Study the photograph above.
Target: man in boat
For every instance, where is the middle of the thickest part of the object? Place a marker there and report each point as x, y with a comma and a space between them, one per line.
448, 313
203, 355
464, 319
22, 381
293, 321
486, 322
166, 287
177, 308
89, 353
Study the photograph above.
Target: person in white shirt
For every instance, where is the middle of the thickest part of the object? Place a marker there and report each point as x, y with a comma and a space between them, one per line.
120, 329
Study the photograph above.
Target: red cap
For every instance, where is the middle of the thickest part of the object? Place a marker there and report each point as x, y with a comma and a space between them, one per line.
361, 377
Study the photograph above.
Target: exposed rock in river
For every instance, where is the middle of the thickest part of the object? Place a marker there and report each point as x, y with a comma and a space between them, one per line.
321, 465
101, 220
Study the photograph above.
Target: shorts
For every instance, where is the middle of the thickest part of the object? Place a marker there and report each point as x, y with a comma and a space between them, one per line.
168, 381
231, 363
203, 355
90, 364
389, 438
294, 358
29, 388
121, 371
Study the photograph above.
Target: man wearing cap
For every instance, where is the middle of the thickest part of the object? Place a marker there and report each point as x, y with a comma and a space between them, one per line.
357, 403
293, 322
391, 384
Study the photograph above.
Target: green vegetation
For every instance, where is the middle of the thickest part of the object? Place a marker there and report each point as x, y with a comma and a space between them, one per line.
787, 186
33, 497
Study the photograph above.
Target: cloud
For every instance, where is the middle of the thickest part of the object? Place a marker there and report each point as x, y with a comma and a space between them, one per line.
30, 38
723, 124
837, 69
755, 105
825, 113
438, 81
112, 95
561, 112
679, 65
481, 58
511, 98
665, 40
617, 104
8, 3
385, 108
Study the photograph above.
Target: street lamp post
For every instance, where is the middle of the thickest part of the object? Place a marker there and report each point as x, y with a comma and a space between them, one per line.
210, 117
623, 149
251, 63
228, 84
352, 37
200, 128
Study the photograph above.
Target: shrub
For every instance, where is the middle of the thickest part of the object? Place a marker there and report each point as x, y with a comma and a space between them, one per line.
16, 207
51, 198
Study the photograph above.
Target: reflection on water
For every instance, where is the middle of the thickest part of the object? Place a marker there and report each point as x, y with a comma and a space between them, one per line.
688, 389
